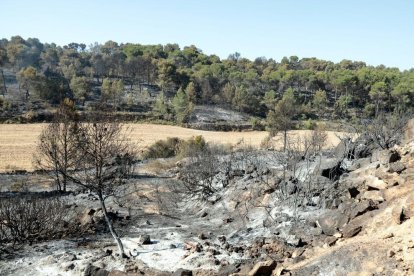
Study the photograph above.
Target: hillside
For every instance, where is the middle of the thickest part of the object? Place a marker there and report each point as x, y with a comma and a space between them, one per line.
317, 220
165, 82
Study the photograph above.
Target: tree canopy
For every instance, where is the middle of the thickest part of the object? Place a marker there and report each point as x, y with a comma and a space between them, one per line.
253, 86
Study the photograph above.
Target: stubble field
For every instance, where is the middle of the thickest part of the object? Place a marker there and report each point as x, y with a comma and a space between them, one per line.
18, 141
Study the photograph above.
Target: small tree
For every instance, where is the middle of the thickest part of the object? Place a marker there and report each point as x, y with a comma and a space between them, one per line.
378, 94
28, 78
161, 106
81, 89
198, 175
386, 130
191, 92
281, 118
182, 106
320, 100
106, 89
56, 150
117, 90
103, 162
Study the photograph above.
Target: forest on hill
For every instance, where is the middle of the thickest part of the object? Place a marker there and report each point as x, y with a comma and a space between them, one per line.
168, 81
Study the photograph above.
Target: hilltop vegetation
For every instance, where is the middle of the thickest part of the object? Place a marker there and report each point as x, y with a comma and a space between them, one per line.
166, 81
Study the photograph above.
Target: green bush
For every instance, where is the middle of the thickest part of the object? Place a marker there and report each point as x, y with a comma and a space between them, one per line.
192, 146
309, 124
163, 148
175, 147
369, 110
257, 124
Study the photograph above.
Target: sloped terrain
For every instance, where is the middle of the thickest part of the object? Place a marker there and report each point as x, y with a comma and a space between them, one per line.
330, 216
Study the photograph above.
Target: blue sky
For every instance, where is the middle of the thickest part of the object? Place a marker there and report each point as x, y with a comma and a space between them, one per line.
377, 32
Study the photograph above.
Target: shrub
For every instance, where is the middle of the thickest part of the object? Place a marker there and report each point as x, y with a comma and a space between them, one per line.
192, 146
369, 110
198, 175
257, 124
309, 124
29, 219
386, 130
175, 147
163, 148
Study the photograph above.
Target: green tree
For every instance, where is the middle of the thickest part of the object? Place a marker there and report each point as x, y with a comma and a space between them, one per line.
378, 94
240, 99
320, 100
106, 89
28, 78
269, 99
281, 118
342, 104
403, 92
3, 60
81, 89
182, 107
161, 106
228, 93
191, 92
117, 90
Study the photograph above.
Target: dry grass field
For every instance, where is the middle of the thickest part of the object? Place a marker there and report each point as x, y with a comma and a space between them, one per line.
18, 141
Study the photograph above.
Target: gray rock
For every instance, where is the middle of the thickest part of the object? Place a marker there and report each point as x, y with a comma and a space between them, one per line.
293, 240
222, 239
182, 272
351, 230
331, 221
386, 157
144, 240
397, 167
68, 257
250, 169
263, 268
362, 208
375, 183
373, 195
202, 236
92, 270
235, 173
331, 240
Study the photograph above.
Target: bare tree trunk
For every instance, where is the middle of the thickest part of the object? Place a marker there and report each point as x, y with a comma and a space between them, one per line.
111, 227
4, 82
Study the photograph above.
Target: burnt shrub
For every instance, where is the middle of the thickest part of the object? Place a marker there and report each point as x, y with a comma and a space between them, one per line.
28, 219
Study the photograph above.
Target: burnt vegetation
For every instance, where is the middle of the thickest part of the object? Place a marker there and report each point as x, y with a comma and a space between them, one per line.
85, 151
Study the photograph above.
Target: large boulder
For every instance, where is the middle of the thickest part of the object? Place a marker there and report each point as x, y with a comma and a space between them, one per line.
331, 221
331, 169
